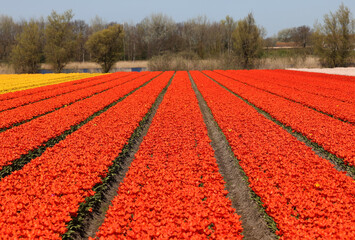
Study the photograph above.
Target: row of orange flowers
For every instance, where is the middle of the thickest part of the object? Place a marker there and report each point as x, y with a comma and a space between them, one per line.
305, 195
38, 200
22, 113
35, 95
328, 85
173, 189
333, 135
287, 87
49, 86
38, 131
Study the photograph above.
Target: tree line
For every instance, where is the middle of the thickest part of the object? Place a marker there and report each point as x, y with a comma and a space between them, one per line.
59, 39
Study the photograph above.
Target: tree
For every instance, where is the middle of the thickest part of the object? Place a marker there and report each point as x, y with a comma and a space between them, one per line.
229, 26
26, 54
247, 41
215, 40
106, 46
60, 40
299, 35
158, 33
81, 32
203, 37
334, 40
302, 35
8, 31
285, 35
270, 42
130, 41
97, 24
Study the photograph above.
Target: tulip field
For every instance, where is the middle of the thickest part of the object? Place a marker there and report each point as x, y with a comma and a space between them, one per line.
17, 82
131, 155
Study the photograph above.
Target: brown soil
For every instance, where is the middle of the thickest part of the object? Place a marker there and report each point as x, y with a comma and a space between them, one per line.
253, 222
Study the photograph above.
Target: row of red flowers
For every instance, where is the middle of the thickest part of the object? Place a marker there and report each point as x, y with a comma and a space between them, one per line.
275, 82
305, 195
52, 84
19, 140
19, 114
38, 200
173, 189
334, 86
53, 91
333, 135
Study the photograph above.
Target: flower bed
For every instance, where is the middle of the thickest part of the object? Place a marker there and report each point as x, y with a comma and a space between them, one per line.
306, 196
173, 188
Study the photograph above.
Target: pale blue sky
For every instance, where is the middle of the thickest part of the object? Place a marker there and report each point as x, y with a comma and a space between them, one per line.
273, 15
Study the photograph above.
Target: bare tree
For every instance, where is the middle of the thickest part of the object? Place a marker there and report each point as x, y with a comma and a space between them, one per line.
215, 40
300, 35
130, 41
97, 24
158, 30
8, 31
81, 31
229, 26
195, 33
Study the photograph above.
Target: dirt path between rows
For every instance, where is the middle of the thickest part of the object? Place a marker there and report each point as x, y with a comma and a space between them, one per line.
252, 215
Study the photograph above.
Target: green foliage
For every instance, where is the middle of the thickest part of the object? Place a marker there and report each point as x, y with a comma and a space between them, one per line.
285, 35
60, 40
334, 41
247, 41
26, 55
106, 46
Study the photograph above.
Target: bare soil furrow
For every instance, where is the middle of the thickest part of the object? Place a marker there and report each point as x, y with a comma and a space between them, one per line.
254, 224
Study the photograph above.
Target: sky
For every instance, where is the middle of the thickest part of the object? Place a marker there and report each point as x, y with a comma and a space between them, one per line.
273, 15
